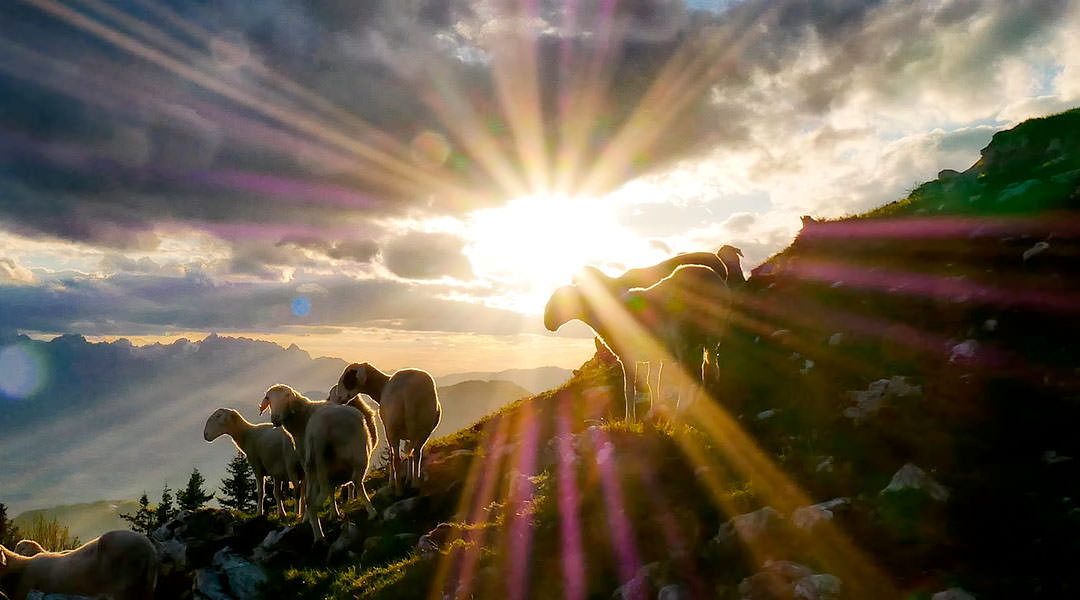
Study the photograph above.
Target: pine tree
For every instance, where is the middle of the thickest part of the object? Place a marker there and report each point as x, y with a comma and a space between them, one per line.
194, 495
9, 532
238, 489
165, 510
142, 520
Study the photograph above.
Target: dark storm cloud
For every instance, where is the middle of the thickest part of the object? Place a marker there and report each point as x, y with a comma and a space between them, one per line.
139, 303
418, 255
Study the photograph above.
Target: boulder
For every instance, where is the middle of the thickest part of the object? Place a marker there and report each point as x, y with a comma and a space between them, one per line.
911, 477
285, 545
674, 591
952, 594
229, 577
348, 545
750, 527
786, 580
878, 395
403, 508
806, 518
643, 585
384, 548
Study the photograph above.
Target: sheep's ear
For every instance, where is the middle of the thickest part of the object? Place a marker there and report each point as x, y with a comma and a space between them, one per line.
3, 556
265, 404
351, 379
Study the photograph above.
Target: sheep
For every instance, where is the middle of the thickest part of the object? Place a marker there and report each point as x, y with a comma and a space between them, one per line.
335, 444
644, 277
270, 451
120, 565
31, 548
680, 317
410, 410
729, 255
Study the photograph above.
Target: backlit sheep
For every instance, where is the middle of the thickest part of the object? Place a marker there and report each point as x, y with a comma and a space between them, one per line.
270, 451
678, 318
29, 548
410, 410
335, 444
729, 255
120, 565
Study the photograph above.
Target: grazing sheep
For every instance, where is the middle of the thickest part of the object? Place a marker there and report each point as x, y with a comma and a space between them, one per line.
270, 451
335, 444
409, 406
30, 548
681, 316
120, 565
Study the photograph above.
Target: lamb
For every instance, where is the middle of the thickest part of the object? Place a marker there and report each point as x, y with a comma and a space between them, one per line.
120, 565
410, 411
729, 255
270, 451
335, 444
680, 317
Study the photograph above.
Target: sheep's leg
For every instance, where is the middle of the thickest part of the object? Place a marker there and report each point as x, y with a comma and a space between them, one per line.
279, 494
657, 396
628, 389
417, 461
300, 499
316, 495
358, 482
394, 457
260, 481
333, 500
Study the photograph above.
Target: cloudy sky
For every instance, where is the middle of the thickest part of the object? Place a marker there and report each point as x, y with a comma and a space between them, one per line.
405, 181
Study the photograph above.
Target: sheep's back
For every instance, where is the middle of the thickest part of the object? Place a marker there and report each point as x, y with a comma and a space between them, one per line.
410, 404
274, 450
337, 434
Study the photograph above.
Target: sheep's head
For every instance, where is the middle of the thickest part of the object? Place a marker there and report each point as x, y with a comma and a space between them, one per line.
564, 305
352, 381
218, 423
278, 399
28, 548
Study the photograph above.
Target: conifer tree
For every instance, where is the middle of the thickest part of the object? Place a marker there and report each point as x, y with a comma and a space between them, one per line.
194, 495
142, 520
9, 532
238, 489
165, 510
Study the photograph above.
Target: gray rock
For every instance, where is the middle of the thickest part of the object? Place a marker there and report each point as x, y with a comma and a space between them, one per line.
673, 591
911, 477
241, 578
807, 517
953, 594
751, 526
836, 338
172, 554
295, 539
209, 586
348, 545
786, 580
963, 352
641, 586
401, 508
821, 586
878, 395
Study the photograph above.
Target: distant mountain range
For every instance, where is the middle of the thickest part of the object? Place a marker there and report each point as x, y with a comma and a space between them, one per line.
111, 420
535, 381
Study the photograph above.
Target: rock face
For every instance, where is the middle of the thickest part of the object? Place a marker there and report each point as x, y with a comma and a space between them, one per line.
952, 594
229, 577
805, 518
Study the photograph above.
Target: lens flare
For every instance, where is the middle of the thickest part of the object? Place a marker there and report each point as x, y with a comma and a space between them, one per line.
301, 306
21, 372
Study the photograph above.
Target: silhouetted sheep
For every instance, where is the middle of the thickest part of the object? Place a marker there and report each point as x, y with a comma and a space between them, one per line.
335, 444
121, 565
680, 317
409, 407
270, 451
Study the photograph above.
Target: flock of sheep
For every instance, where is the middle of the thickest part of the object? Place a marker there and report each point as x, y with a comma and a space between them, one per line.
674, 311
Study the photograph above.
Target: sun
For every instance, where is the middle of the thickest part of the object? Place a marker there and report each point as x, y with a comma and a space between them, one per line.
533, 244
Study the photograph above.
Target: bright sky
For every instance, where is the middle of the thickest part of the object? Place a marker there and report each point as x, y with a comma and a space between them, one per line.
408, 185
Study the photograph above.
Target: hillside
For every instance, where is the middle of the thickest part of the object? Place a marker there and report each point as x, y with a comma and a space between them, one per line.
467, 402
534, 380
894, 417
84, 521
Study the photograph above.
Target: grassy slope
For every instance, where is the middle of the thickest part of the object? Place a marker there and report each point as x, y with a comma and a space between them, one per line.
901, 293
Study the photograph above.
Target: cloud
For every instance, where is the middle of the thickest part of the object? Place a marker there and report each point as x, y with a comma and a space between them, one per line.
12, 273
740, 222
419, 255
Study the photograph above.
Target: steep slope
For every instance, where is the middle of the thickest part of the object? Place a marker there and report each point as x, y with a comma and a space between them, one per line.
917, 375
535, 380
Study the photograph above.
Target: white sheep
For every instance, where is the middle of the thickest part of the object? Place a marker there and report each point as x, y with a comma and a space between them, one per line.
120, 565
31, 548
270, 451
410, 410
335, 444
680, 318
